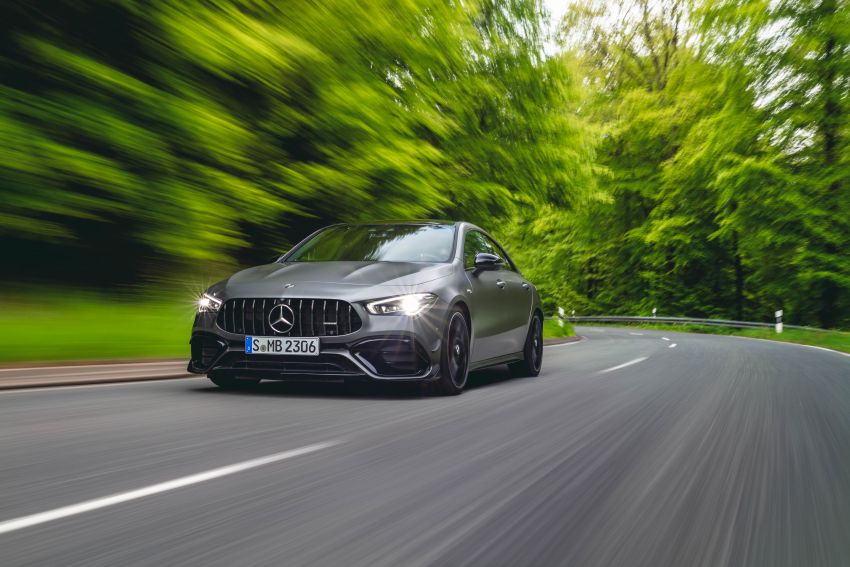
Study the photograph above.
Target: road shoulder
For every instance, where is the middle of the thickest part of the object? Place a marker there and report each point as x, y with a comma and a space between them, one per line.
90, 373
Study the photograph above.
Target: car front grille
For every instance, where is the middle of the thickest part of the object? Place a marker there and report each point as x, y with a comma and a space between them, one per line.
312, 317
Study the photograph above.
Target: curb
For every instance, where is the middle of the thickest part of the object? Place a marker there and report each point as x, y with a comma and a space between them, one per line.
16, 385
31, 365
105, 372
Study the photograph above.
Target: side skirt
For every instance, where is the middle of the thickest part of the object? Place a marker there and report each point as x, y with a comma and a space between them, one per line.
495, 360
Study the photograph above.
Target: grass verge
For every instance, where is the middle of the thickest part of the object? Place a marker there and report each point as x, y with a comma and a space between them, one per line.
552, 330
87, 327
836, 340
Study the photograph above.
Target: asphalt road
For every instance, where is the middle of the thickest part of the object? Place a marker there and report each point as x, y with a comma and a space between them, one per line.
626, 450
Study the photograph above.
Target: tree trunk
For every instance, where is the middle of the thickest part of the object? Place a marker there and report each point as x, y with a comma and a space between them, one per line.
739, 281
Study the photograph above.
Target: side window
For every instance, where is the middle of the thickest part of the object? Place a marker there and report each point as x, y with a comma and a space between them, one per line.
500, 252
474, 243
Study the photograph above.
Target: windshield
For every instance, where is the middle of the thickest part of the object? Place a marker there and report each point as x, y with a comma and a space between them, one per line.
378, 243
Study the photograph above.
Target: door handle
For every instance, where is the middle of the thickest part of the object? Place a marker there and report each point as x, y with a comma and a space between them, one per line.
501, 284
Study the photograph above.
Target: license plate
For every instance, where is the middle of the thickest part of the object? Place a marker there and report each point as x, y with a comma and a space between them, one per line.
301, 346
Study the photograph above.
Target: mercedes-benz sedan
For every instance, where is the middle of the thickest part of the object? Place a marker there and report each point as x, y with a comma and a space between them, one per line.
421, 301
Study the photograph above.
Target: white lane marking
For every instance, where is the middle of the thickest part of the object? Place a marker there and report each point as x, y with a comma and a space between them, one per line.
637, 334
139, 365
619, 366
664, 339
89, 505
672, 346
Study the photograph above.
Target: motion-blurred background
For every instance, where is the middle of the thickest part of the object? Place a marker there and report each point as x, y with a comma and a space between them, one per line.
690, 156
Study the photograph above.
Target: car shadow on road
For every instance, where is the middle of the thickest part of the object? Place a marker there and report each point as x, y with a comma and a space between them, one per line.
335, 390
489, 377
356, 390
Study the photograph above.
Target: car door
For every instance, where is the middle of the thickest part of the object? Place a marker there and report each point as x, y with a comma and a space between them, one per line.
498, 301
515, 303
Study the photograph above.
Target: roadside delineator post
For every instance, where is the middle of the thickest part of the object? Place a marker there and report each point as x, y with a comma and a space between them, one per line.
561, 316
654, 309
779, 321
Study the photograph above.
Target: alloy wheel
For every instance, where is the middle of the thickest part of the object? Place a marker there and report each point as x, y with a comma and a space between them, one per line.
458, 354
536, 344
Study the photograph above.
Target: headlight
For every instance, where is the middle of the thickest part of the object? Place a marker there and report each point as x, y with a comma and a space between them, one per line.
208, 304
411, 305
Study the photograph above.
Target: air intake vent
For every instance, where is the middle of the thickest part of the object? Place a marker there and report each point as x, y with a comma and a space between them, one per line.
205, 351
310, 317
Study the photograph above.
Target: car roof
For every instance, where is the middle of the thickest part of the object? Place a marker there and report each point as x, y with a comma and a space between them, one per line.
436, 222
401, 221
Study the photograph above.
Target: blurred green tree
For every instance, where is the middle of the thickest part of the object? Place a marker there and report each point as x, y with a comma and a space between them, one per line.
722, 163
686, 155
190, 131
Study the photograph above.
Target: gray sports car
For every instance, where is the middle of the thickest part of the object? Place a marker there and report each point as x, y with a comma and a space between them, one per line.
422, 301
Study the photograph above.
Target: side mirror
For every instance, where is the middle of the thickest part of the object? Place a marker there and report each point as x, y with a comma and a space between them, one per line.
487, 261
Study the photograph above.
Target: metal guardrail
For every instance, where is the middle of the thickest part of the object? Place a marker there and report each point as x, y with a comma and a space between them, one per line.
677, 320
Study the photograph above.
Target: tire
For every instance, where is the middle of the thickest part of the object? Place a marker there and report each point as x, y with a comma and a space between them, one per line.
454, 357
231, 382
532, 359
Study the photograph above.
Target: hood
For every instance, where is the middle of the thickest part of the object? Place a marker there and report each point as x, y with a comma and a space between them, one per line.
269, 279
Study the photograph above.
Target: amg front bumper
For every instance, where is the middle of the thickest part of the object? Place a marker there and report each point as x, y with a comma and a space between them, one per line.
385, 348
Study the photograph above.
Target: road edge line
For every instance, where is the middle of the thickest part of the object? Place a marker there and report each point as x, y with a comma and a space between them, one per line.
774, 341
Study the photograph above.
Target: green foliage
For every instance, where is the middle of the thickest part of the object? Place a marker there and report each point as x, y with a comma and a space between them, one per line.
722, 161
199, 130
689, 156
552, 330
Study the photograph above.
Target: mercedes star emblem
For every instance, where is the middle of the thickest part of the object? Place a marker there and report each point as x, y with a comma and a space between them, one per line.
281, 318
